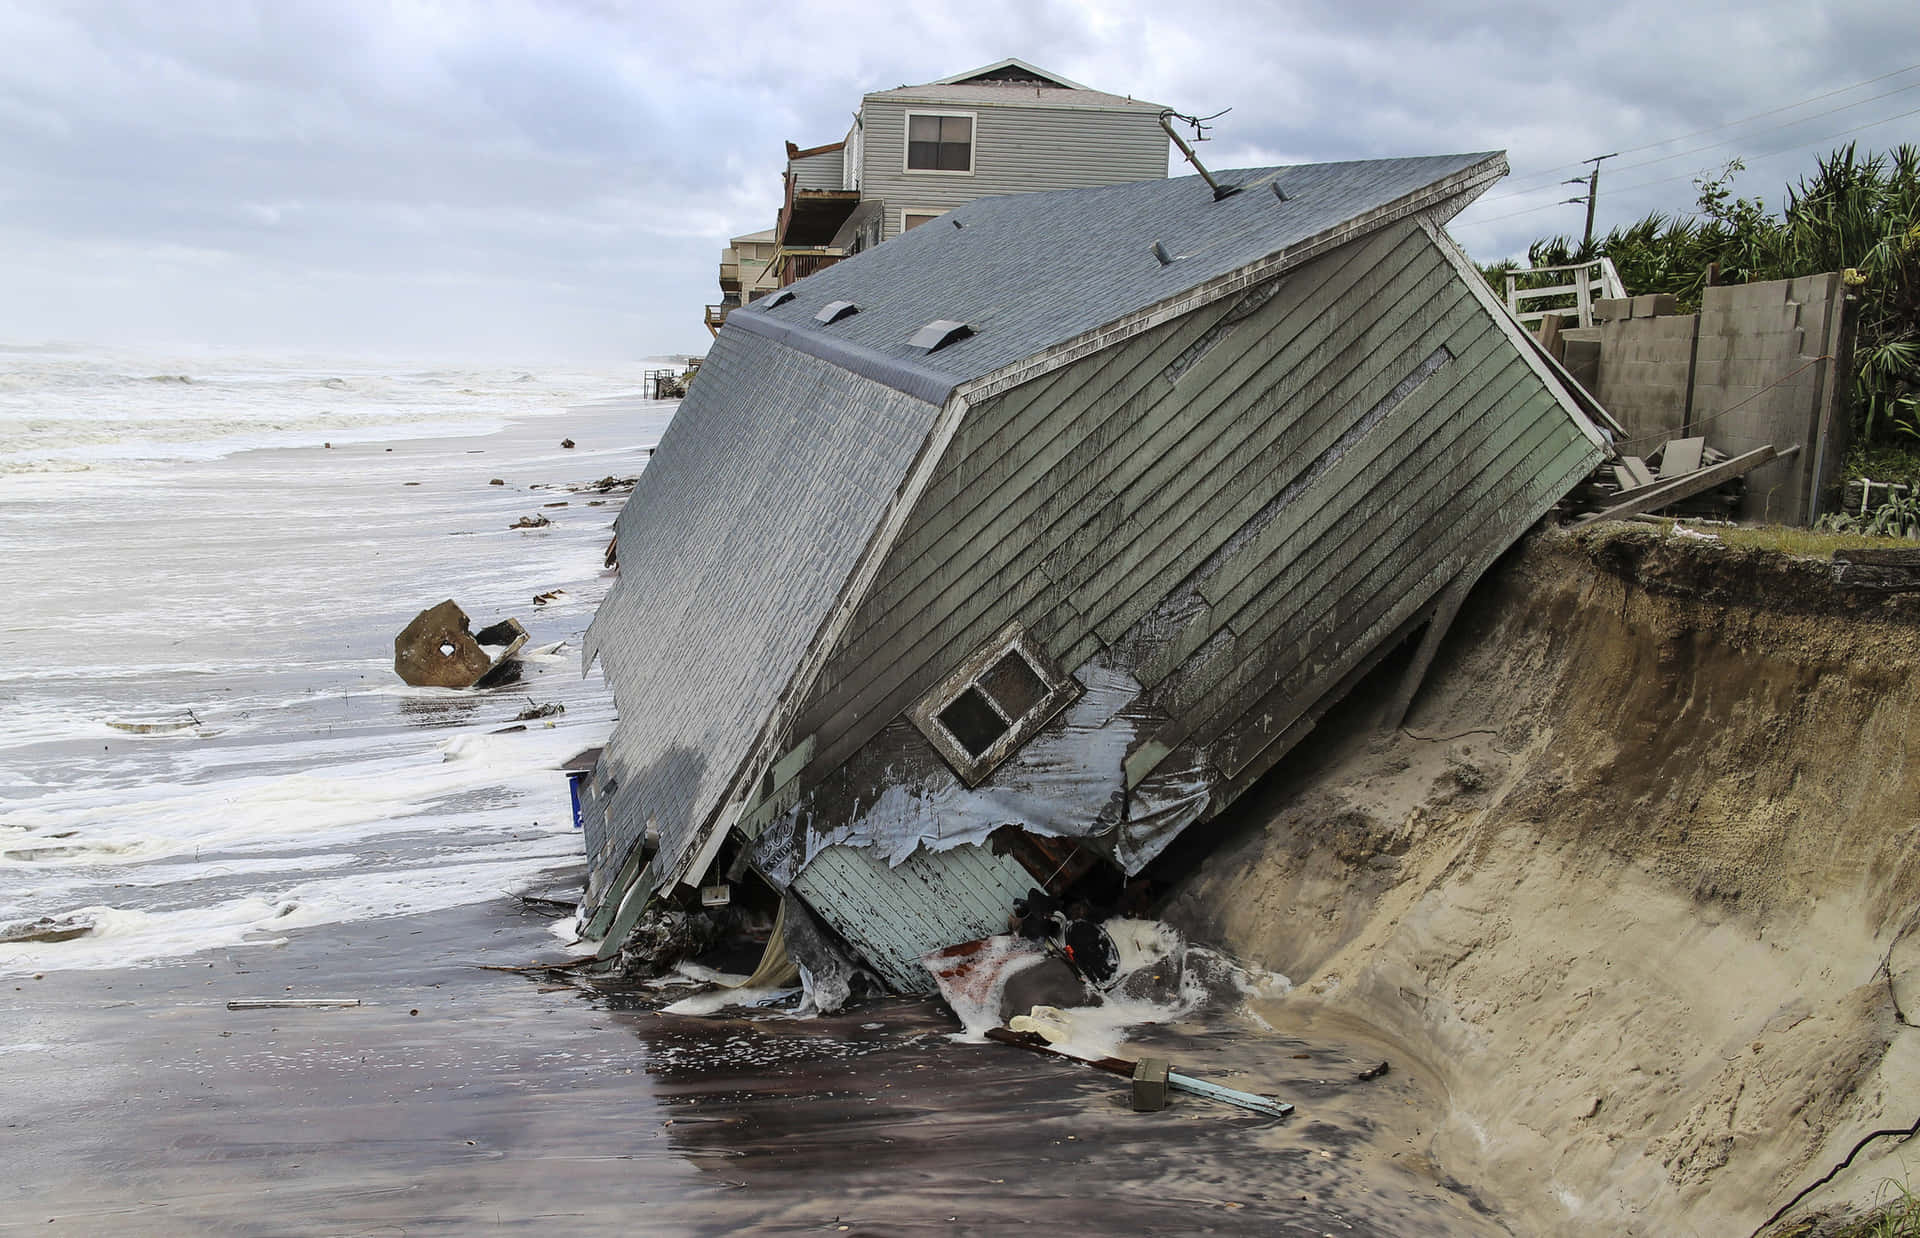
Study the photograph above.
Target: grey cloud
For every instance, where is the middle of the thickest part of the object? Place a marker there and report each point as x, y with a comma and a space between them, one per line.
559, 177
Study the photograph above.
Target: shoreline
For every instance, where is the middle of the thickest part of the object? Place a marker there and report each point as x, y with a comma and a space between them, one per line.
139, 1104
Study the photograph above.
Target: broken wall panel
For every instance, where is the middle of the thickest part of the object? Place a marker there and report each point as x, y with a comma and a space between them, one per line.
890, 912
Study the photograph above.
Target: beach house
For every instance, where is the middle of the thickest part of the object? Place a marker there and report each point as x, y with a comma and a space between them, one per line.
1003, 552
914, 152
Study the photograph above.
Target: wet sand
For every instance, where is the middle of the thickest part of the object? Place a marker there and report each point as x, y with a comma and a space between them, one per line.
457, 1099
139, 1104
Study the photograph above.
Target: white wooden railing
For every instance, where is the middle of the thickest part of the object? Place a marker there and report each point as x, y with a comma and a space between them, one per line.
1589, 280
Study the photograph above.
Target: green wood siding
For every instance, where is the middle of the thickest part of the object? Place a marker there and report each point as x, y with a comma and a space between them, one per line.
931, 900
1078, 502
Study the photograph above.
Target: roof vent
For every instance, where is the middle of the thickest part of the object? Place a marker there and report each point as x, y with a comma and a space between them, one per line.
834, 311
778, 298
940, 333
1160, 252
1277, 191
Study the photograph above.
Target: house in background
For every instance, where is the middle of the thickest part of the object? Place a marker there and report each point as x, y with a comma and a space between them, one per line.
1000, 554
916, 152
746, 273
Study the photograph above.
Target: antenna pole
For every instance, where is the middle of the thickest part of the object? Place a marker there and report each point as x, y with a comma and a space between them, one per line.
1199, 135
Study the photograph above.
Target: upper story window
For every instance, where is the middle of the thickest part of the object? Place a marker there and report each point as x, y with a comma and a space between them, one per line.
992, 703
940, 142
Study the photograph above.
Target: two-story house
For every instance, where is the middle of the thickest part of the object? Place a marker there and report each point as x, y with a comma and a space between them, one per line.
915, 152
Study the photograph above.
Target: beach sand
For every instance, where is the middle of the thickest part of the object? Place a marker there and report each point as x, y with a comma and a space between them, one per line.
140, 1104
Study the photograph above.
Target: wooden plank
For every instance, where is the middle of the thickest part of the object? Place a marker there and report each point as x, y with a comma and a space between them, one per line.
1680, 457
1326, 533
1328, 405
1636, 470
1416, 673
1686, 487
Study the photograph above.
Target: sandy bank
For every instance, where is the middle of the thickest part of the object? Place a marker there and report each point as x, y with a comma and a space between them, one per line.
1636, 881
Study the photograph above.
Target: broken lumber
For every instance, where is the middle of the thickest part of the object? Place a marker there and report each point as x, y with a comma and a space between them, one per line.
1680, 457
1121, 1066
1661, 494
1884, 571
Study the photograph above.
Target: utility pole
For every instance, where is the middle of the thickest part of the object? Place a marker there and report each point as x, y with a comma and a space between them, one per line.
1592, 181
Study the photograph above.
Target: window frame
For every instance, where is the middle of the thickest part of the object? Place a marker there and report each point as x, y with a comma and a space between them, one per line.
931, 212
906, 143
1062, 689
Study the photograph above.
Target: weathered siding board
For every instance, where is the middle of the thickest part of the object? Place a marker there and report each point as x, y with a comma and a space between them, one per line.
1227, 478
1035, 456
1405, 441
822, 171
1170, 420
931, 899
1016, 150
1422, 532
1228, 412
1248, 749
1157, 424
1119, 406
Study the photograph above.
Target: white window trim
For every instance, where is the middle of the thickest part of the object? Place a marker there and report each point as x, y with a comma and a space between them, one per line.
1062, 690
933, 212
906, 143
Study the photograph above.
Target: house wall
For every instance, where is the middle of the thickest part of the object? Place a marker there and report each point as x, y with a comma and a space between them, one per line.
1232, 510
822, 171
1016, 150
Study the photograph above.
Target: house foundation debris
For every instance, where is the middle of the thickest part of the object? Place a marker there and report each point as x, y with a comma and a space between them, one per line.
438, 650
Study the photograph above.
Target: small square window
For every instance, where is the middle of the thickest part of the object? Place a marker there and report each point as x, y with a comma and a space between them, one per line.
973, 721
1014, 685
993, 702
939, 143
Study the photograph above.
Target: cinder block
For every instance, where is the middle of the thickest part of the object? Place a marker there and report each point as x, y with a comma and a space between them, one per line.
1613, 309
1150, 1084
1654, 304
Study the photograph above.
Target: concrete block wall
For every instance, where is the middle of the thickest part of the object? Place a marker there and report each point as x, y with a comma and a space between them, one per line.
1759, 379
1744, 372
1644, 363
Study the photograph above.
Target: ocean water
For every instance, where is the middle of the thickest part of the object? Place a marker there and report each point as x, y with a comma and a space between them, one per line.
205, 561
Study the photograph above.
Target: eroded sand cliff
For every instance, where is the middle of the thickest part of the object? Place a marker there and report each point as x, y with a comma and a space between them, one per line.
1637, 880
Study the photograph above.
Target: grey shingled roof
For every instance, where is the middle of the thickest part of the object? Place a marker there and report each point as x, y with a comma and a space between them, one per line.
782, 461
747, 521
1029, 271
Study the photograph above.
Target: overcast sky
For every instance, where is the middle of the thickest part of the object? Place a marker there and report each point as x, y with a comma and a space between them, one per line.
535, 180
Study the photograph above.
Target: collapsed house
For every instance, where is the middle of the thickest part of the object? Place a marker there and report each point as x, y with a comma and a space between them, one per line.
1019, 544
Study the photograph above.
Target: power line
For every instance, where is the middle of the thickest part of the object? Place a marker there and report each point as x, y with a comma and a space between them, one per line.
1788, 149
1787, 107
